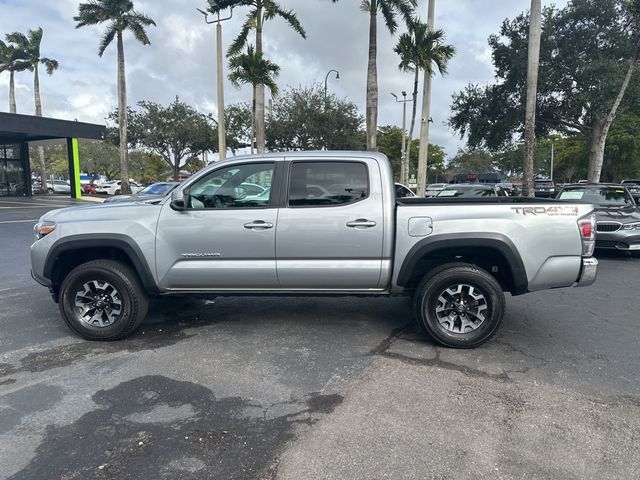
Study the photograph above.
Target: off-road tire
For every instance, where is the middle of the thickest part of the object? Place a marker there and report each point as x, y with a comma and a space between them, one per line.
433, 289
134, 302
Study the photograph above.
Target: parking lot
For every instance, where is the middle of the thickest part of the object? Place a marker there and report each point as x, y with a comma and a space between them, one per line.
317, 388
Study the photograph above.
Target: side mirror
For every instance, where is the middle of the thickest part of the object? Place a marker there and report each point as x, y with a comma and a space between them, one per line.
178, 200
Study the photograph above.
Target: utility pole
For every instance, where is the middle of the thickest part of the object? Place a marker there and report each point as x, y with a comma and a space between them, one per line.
222, 140
426, 115
404, 167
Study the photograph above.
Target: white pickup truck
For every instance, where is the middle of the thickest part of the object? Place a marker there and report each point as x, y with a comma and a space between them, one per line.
325, 223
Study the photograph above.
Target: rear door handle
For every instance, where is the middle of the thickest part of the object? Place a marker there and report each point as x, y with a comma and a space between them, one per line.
361, 223
258, 224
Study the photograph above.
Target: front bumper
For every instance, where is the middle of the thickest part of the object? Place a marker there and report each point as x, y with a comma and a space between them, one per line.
619, 240
588, 272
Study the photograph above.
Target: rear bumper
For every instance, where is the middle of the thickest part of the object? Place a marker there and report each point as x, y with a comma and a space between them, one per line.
588, 272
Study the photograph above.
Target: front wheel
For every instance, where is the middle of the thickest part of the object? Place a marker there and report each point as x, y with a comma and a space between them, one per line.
460, 306
103, 300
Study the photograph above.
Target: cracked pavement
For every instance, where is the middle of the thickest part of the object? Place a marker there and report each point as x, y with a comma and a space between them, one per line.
306, 388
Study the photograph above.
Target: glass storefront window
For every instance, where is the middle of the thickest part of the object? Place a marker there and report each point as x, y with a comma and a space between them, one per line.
12, 178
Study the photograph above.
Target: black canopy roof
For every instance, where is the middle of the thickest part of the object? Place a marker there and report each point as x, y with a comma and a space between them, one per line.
16, 128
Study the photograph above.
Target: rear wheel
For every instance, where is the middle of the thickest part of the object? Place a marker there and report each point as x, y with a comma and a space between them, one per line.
117, 192
103, 300
460, 306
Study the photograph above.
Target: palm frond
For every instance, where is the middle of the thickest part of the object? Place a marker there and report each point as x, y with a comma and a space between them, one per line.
107, 38
241, 40
50, 65
139, 32
273, 10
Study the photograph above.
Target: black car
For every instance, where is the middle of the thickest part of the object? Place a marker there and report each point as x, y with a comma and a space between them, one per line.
634, 188
544, 188
617, 214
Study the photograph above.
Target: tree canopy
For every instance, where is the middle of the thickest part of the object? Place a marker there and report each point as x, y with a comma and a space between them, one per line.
175, 132
587, 50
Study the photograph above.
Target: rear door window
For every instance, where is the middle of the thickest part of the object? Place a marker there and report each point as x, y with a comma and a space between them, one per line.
317, 184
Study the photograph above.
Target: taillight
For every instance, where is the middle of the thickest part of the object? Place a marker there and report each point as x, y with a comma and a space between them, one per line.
587, 226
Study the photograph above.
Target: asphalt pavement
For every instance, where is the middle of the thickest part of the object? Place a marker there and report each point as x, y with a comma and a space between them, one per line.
326, 388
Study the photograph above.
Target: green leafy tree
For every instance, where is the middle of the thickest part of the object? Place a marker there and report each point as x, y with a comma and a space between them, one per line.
253, 69
30, 45
303, 119
472, 161
175, 133
120, 16
12, 60
390, 143
260, 11
239, 122
589, 51
146, 167
420, 49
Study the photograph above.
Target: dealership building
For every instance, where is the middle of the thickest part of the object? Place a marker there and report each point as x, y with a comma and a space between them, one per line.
17, 132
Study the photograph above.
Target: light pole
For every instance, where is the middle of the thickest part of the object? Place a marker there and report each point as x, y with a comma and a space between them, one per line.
326, 77
213, 6
404, 168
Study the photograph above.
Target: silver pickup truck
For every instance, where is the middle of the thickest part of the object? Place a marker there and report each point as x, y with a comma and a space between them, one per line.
311, 223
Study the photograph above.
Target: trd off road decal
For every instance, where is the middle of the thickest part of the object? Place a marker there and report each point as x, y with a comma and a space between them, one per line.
550, 211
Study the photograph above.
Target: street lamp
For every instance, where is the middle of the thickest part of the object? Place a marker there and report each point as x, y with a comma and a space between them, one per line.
213, 7
404, 168
326, 77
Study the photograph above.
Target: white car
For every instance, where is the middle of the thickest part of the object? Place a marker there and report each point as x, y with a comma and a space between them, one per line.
58, 186
113, 187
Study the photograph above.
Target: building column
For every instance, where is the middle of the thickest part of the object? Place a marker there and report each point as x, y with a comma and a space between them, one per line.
26, 168
74, 167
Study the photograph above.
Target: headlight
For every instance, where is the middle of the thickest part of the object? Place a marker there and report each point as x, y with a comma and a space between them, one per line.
43, 228
631, 226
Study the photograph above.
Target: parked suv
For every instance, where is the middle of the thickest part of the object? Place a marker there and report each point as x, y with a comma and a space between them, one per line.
544, 188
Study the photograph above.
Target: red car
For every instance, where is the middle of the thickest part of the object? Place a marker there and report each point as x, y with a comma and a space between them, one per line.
89, 189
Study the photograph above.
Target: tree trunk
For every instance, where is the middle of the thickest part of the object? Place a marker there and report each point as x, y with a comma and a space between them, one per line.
253, 117
414, 110
122, 117
372, 81
600, 130
535, 30
259, 89
38, 101
423, 152
12, 92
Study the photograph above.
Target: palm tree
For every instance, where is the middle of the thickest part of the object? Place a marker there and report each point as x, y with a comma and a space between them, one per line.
535, 32
421, 48
390, 9
30, 44
261, 11
252, 69
12, 60
120, 16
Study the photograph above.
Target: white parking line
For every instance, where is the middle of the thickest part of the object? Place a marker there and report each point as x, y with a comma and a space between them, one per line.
35, 205
20, 221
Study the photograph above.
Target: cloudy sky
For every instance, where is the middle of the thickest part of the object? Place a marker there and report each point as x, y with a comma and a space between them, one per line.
181, 59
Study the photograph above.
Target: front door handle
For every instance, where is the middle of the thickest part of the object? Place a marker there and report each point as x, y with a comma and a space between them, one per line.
258, 225
361, 223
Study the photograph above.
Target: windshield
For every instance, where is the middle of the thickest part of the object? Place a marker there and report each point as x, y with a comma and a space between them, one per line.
604, 196
467, 192
158, 189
